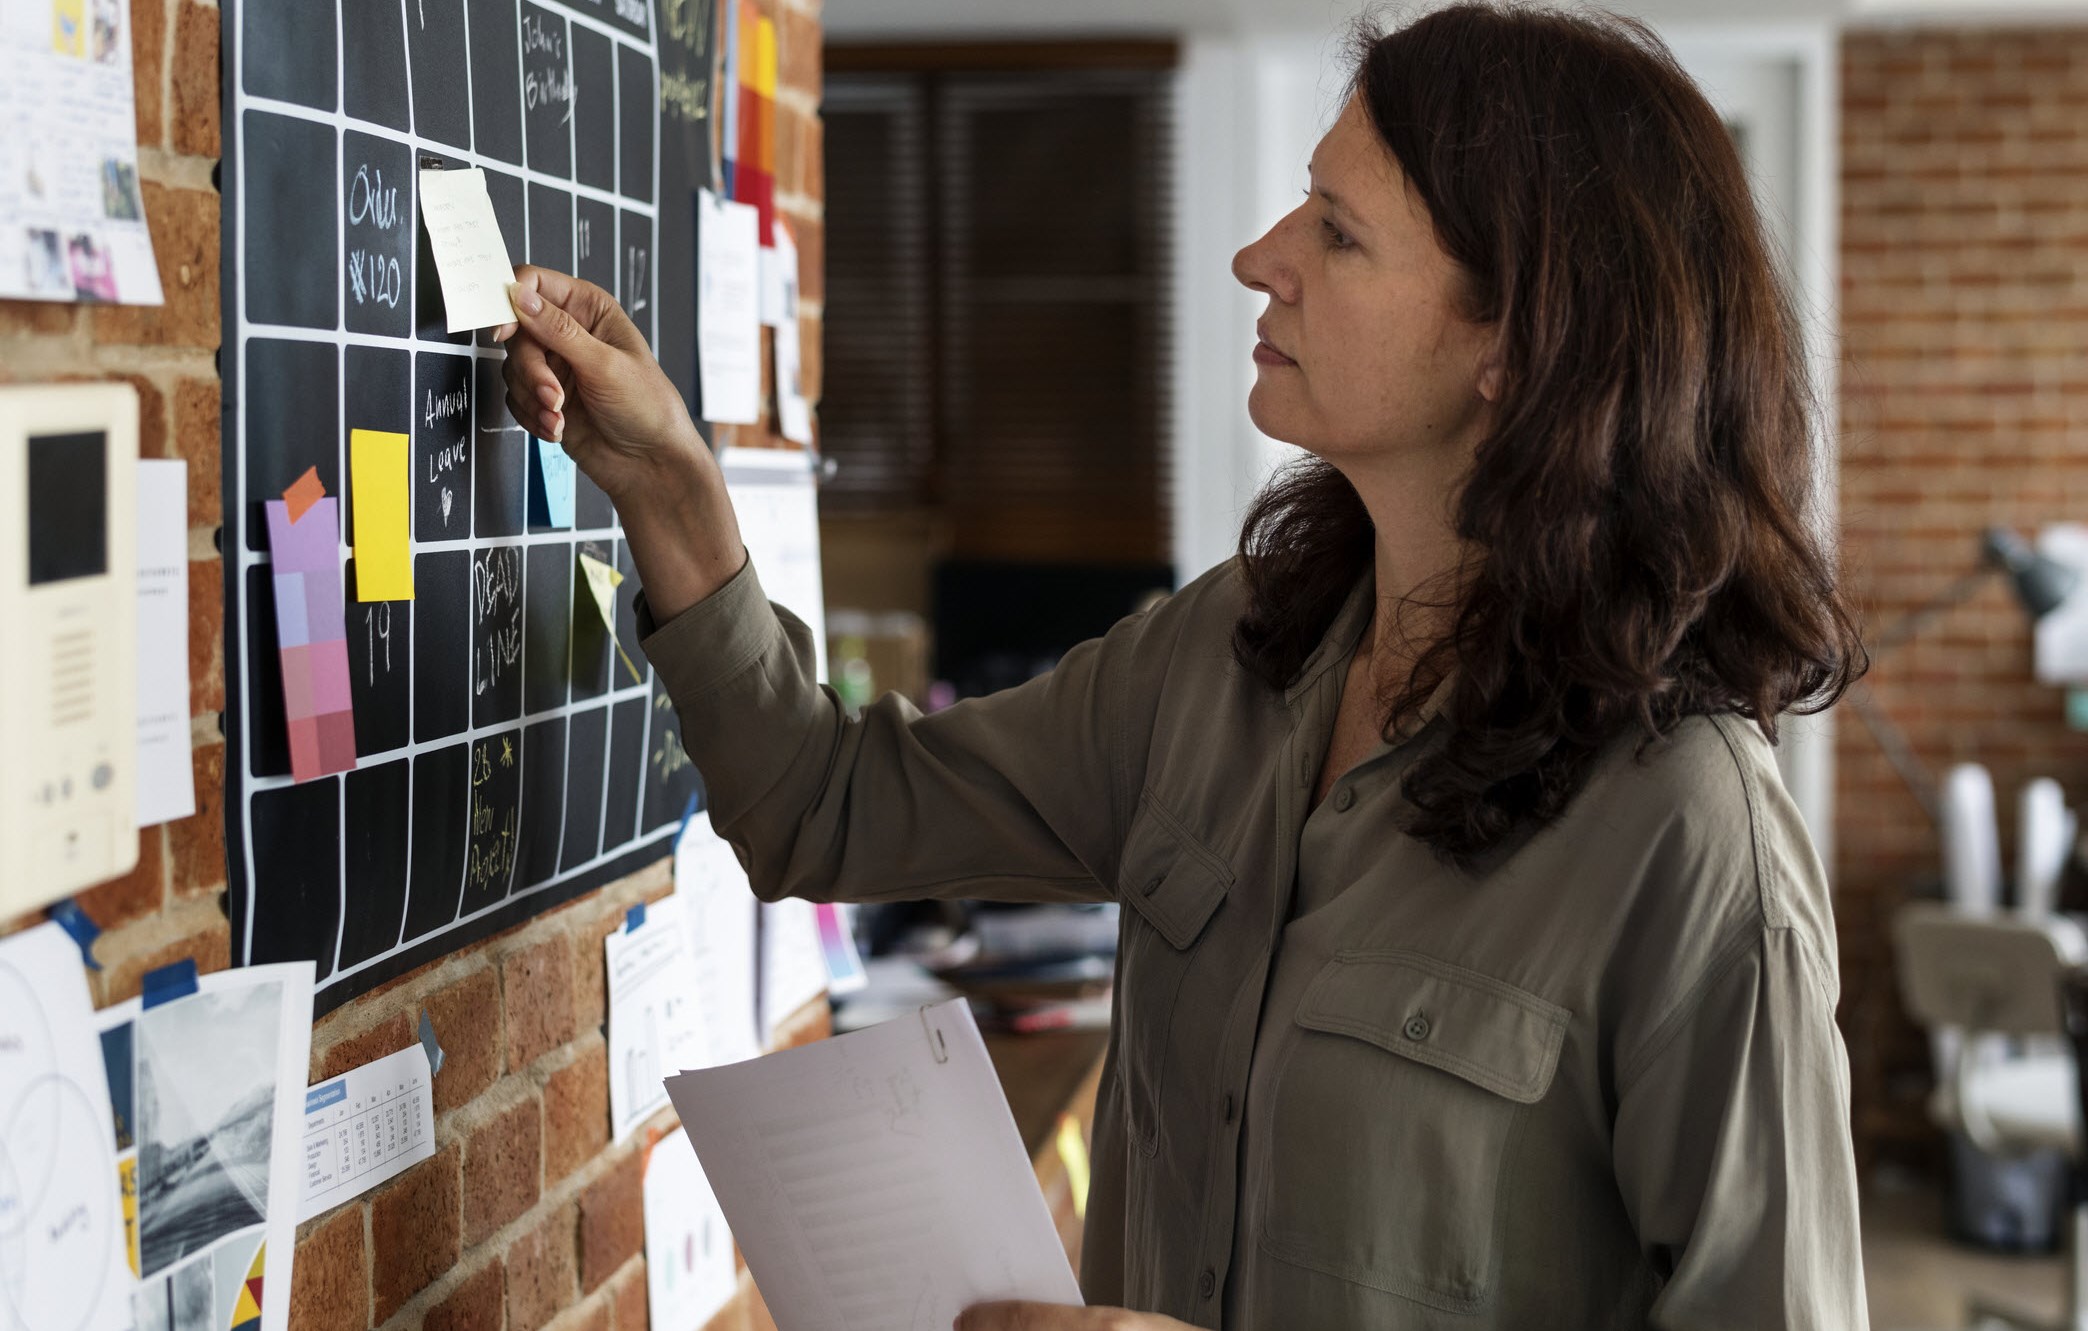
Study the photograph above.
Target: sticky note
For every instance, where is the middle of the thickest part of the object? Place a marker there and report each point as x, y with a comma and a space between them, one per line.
470, 257
551, 486
379, 471
312, 638
304, 492
602, 581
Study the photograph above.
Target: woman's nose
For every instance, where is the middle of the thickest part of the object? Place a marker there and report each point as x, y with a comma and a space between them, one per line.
1262, 267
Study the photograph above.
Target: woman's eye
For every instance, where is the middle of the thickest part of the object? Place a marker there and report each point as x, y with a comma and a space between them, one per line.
1336, 237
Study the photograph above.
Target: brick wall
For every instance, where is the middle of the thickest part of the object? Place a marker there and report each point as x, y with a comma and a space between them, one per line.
1964, 403
526, 1217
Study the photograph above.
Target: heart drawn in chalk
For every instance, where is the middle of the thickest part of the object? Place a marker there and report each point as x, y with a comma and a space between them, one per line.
449, 499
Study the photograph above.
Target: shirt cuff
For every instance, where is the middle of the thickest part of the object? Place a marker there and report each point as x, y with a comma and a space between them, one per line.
712, 641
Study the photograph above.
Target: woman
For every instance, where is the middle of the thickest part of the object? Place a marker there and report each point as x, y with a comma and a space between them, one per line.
1476, 970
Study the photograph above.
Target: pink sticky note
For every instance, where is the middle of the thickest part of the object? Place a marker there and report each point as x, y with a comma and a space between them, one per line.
312, 638
310, 542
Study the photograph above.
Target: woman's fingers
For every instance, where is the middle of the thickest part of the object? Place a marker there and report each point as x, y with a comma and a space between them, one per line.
552, 328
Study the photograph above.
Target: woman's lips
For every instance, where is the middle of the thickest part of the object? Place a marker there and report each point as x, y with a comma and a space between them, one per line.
1264, 354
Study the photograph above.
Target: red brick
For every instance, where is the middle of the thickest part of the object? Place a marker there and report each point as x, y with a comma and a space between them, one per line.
184, 226
811, 358
596, 1316
479, 1304
196, 79
47, 318
798, 63
197, 425
388, 1036
627, 1294
206, 637
152, 416
810, 236
414, 1230
538, 984
197, 845
576, 1112
138, 893
812, 157
466, 1017
590, 976
329, 1280
503, 1163
148, 60
210, 946
612, 1220
540, 1272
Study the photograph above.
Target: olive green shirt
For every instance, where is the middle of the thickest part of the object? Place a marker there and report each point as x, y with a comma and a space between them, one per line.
1596, 1084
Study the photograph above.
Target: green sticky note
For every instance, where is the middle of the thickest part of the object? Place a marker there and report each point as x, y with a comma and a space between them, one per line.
602, 582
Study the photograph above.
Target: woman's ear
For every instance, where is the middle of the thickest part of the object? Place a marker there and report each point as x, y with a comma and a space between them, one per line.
1492, 370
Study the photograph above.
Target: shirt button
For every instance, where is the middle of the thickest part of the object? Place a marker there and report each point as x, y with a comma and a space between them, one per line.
1206, 1284
1417, 1027
1344, 799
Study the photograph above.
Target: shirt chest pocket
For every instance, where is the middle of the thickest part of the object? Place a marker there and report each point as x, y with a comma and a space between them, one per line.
1394, 1119
1170, 887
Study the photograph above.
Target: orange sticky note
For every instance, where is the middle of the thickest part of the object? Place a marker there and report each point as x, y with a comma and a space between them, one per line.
304, 492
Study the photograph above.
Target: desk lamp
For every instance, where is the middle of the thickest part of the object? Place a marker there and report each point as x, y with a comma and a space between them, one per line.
2041, 585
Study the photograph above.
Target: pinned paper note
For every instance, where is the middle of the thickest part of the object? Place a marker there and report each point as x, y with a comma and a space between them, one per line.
304, 492
312, 638
654, 1027
689, 1273
62, 1247
551, 486
728, 323
165, 786
370, 1124
470, 256
602, 582
379, 470
793, 411
718, 914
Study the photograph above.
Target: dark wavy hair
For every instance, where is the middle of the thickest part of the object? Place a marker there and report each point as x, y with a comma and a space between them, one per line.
1643, 511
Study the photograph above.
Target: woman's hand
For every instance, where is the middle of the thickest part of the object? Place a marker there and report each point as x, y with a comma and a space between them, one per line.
578, 372
1057, 1317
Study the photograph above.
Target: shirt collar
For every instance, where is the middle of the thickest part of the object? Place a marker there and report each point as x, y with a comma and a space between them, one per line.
1339, 643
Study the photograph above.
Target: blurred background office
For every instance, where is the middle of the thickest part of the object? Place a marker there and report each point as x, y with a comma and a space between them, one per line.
1036, 367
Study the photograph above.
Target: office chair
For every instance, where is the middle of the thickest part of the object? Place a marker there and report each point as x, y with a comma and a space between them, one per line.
1978, 981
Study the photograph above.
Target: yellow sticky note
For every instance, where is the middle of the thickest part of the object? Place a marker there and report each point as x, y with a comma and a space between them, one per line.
603, 580
379, 471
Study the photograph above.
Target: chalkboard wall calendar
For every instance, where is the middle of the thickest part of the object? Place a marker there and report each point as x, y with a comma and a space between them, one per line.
508, 759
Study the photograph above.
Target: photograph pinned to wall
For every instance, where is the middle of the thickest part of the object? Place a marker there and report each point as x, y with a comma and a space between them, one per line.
72, 223
62, 1236
208, 1097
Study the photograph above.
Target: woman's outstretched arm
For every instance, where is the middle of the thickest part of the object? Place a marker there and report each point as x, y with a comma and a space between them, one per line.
1021, 796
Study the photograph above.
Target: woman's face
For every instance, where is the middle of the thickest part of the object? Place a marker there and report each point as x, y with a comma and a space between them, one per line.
1364, 353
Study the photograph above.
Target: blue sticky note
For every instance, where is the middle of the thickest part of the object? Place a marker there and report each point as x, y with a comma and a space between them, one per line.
550, 486
430, 1043
169, 983
68, 916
